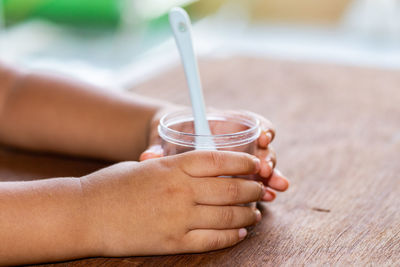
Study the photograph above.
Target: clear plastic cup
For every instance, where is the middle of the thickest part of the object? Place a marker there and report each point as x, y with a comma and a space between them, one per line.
231, 131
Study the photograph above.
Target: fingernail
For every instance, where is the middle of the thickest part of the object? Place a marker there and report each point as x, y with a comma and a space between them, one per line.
268, 196
149, 155
257, 162
242, 233
271, 165
269, 136
258, 215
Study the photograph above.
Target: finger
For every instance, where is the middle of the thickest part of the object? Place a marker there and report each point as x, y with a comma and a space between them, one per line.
269, 195
217, 163
267, 134
201, 240
154, 151
225, 217
277, 181
226, 191
267, 168
265, 138
268, 161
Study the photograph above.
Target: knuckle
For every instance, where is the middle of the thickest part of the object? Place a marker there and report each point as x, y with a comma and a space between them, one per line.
172, 191
172, 242
248, 216
215, 243
260, 189
182, 191
227, 216
231, 239
216, 159
233, 191
165, 163
248, 163
253, 216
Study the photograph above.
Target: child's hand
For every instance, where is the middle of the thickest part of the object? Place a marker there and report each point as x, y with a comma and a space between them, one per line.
270, 176
171, 205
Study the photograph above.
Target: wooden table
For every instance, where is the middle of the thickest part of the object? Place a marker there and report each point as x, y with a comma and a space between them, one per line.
338, 141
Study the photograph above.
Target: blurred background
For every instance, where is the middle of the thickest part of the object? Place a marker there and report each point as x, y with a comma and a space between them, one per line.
119, 43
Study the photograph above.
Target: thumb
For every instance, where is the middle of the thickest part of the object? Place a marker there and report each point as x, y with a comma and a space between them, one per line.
152, 152
155, 150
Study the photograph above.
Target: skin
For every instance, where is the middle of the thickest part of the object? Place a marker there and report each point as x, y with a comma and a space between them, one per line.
163, 205
272, 178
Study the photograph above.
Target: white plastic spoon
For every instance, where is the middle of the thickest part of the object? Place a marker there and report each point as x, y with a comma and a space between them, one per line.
181, 27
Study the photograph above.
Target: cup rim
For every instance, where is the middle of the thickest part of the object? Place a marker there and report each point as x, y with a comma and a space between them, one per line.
209, 112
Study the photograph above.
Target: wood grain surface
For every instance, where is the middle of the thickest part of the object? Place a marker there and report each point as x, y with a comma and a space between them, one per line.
338, 140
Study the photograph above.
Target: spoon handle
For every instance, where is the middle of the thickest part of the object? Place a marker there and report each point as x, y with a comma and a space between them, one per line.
181, 27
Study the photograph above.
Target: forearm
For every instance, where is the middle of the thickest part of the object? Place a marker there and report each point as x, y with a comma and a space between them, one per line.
43, 221
51, 113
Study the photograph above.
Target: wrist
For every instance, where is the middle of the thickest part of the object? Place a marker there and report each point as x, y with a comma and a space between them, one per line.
92, 244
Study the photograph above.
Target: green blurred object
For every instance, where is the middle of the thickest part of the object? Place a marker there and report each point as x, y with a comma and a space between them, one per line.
78, 13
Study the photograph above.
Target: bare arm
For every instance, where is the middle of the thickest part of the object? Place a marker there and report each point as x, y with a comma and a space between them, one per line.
107, 212
52, 113
44, 220
131, 208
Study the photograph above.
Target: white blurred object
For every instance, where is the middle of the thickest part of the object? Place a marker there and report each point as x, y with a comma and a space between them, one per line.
378, 20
